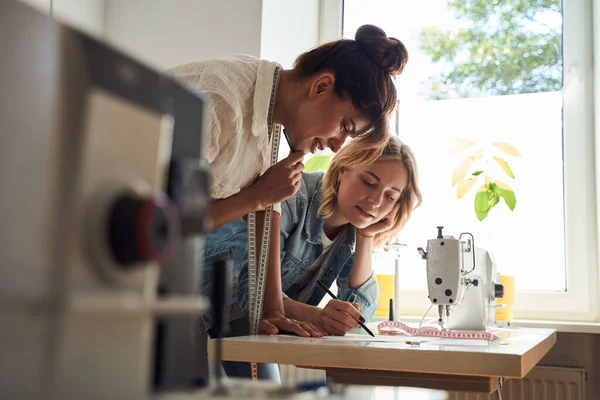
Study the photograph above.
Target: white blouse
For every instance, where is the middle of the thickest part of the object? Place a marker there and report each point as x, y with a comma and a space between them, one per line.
237, 147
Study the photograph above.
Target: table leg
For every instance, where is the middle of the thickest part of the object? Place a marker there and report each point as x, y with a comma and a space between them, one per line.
499, 391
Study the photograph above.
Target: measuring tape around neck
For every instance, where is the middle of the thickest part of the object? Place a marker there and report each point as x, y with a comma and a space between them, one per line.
257, 271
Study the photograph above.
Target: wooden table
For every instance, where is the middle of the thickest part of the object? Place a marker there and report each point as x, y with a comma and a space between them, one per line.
441, 365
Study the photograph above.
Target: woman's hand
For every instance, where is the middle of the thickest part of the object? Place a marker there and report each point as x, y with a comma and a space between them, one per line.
339, 317
276, 322
279, 182
382, 225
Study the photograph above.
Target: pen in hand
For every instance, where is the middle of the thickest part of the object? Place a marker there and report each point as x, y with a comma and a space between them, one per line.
289, 142
335, 298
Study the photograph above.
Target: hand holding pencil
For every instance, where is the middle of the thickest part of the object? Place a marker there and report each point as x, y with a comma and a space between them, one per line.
340, 317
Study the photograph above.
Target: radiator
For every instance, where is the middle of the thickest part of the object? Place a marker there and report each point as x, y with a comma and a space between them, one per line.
542, 383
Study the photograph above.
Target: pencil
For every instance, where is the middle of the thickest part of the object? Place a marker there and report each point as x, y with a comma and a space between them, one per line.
287, 138
335, 297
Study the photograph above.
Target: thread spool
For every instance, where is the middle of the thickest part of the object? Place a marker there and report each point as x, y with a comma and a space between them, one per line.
504, 313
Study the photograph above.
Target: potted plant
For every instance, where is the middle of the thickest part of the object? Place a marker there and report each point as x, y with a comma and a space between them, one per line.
475, 170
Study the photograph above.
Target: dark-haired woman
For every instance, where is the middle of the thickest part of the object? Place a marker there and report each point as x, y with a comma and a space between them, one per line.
337, 90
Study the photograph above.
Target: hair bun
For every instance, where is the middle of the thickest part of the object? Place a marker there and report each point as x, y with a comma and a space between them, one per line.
389, 53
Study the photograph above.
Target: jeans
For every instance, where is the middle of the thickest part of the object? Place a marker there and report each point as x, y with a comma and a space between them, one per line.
235, 369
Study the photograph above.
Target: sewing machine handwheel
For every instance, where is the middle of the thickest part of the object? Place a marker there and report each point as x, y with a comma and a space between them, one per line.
138, 229
129, 227
498, 290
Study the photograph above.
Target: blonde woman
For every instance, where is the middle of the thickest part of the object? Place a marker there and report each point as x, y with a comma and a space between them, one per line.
328, 231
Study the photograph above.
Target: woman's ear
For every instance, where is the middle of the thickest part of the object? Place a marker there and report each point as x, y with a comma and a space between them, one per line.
342, 174
321, 85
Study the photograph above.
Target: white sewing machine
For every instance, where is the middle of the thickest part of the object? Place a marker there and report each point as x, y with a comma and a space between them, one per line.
461, 281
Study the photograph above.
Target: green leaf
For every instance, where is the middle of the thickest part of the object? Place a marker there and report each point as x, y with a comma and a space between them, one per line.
486, 198
508, 195
506, 148
504, 165
464, 187
317, 163
493, 194
477, 173
482, 205
462, 169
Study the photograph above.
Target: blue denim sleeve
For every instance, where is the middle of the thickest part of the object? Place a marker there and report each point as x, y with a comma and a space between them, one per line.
289, 219
286, 223
365, 295
226, 242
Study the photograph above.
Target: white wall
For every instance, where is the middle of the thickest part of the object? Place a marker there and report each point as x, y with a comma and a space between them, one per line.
166, 33
289, 28
84, 15
40, 5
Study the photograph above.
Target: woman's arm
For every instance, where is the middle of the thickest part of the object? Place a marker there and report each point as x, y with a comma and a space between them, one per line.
366, 295
273, 302
337, 318
362, 268
275, 319
358, 284
300, 311
278, 183
223, 211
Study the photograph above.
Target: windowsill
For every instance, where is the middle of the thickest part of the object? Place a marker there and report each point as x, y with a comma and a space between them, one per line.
560, 326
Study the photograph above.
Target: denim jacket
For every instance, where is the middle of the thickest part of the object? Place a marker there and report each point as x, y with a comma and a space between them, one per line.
300, 241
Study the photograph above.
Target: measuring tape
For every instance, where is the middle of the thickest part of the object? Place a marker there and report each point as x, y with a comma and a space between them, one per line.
256, 275
398, 328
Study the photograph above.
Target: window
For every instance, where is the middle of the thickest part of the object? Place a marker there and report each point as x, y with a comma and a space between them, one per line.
493, 73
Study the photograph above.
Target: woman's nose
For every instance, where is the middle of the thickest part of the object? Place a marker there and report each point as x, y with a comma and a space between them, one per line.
335, 144
376, 198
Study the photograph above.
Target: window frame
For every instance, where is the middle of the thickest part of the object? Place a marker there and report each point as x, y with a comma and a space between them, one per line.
580, 302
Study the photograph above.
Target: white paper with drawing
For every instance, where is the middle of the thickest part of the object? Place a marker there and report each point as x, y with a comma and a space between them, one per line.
357, 337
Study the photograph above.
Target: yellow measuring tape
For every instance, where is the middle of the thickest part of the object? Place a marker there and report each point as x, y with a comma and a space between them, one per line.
257, 271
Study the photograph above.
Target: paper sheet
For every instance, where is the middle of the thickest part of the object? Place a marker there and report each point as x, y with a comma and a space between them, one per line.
357, 337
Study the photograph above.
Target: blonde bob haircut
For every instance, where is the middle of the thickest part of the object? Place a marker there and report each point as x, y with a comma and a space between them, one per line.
359, 153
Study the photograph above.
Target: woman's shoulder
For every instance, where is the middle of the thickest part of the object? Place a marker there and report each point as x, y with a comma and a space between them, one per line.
233, 62
310, 185
231, 76
231, 84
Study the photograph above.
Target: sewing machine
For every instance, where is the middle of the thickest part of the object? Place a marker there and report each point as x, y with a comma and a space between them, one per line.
99, 166
461, 281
